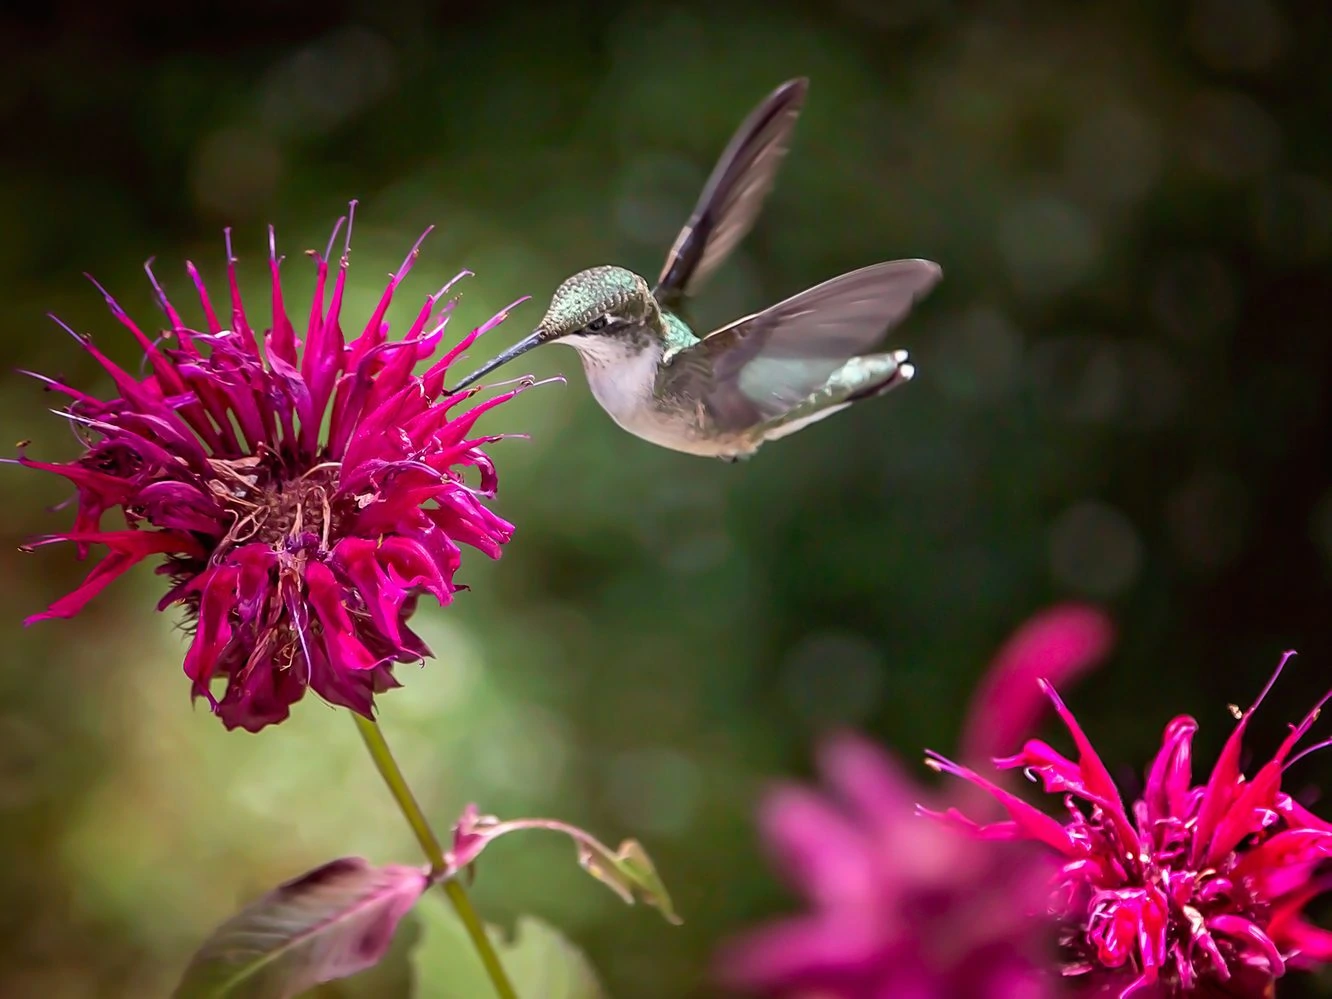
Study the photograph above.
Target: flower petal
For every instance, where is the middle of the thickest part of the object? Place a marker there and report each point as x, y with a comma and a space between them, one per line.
1029, 821
1058, 645
819, 848
128, 548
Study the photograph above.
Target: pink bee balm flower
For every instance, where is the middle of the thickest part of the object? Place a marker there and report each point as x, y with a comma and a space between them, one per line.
1194, 889
898, 906
299, 555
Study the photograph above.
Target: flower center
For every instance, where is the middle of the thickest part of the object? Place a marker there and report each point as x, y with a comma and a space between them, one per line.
268, 507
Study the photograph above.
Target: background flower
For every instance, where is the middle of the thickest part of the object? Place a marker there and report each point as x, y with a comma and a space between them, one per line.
899, 906
1192, 889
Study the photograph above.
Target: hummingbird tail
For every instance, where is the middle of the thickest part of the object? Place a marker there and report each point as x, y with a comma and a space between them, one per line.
881, 373
859, 378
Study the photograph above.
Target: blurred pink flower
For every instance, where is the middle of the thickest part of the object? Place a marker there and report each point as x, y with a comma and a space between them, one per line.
298, 558
1193, 890
1058, 644
899, 906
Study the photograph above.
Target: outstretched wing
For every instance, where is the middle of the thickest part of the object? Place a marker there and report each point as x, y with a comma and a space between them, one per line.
760, 367
733, 195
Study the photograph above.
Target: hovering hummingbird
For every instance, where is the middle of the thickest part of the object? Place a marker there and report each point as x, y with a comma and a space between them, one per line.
754, 380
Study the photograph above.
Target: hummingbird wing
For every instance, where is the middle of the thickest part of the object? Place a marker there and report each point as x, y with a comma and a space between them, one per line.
733, 195
760, 367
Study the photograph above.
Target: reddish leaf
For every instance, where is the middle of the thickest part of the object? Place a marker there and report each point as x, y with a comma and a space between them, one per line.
329, 923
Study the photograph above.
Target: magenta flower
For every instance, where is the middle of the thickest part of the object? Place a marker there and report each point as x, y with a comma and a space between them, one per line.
1194, 890
900, 907
298, 556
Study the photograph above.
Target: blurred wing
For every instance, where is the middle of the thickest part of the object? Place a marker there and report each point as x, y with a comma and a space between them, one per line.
733, 195
760, 367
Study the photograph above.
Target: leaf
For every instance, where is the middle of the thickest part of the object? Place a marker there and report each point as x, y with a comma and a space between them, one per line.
329, 923
630, 873
540, 962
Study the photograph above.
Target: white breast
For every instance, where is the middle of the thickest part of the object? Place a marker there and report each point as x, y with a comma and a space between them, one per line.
621, 377
622, 380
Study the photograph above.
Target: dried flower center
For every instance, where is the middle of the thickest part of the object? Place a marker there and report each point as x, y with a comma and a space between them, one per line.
270, 507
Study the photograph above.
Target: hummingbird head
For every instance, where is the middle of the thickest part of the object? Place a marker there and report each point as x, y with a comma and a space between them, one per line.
598, 302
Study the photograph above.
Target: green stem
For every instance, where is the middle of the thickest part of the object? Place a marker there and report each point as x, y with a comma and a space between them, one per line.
411, 811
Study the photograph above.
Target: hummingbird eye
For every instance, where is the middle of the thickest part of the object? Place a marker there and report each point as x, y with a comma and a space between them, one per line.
600, 323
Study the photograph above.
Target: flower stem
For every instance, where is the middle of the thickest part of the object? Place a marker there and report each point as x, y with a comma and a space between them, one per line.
411, 811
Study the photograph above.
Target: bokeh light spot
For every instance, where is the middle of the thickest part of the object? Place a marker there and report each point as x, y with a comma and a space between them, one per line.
235, 172
525, 750
1207, 518
1229, 135
1243, 35
832, 678
316, 88
1049, 245
1094, 549
1193, 296
654, 790
1113, 155
978, 356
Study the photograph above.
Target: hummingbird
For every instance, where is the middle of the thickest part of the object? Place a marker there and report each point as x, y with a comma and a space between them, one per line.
759, 378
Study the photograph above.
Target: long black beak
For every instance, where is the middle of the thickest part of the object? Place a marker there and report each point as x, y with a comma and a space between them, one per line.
534, 339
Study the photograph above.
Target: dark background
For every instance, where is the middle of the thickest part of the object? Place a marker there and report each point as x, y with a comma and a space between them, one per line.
1122, 397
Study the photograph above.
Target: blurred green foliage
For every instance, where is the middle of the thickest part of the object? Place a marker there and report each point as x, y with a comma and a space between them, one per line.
1123, 396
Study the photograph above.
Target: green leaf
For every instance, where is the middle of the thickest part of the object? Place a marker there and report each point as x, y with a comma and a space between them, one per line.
630, 873
327, 924
540, 962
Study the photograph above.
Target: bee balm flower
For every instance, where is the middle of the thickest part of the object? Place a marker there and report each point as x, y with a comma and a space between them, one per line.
305, 492
898, 906
1193, 889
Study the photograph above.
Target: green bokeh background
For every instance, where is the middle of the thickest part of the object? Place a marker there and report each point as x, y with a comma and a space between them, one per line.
1122, 397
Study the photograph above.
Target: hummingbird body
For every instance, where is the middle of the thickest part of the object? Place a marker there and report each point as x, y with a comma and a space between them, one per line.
632, 378
760, 378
